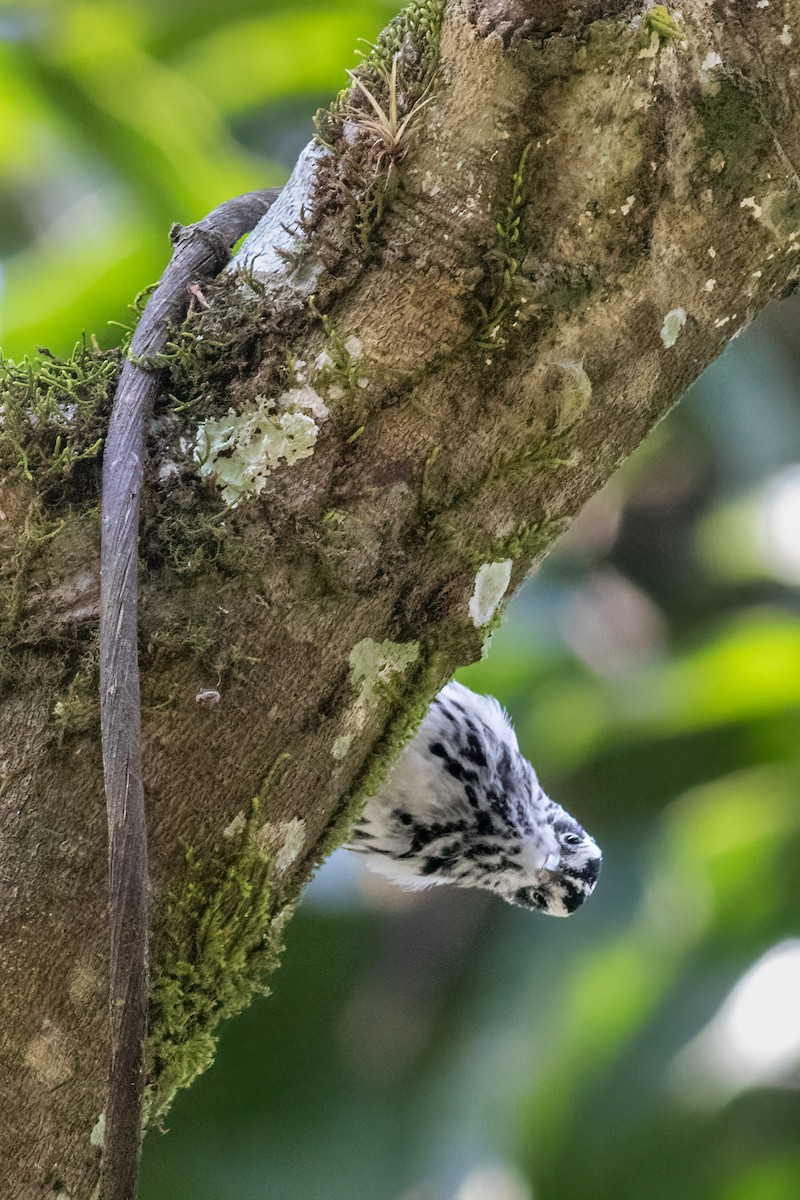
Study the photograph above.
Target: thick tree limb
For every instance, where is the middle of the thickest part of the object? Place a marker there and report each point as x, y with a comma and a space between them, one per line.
444, 349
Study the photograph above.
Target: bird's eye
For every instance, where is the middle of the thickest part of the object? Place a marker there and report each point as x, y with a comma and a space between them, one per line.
540, 898
572, 839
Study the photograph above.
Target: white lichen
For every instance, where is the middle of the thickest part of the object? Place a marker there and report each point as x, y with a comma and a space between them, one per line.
651, 50
284, 841
756, 209
293, 839
372, 666
241, 450
235, 827
710, 64
98, 1135
306, 398
491, 585
674, 322
341, 745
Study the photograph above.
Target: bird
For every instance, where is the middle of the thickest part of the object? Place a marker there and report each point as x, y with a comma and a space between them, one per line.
462, 805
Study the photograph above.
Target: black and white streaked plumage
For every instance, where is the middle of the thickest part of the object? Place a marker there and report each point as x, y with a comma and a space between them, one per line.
462, 805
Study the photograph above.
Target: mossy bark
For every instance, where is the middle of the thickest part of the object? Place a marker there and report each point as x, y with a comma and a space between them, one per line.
483, 320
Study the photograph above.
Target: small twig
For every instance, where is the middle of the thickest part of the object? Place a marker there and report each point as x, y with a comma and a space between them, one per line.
200, 252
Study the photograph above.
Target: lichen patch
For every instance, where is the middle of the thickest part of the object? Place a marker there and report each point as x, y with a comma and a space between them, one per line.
491, 585
341, 745
236, 827
756, 209
574, 392
674, 322
98, 1135
284, 841
306, 397
372, 667
239, 451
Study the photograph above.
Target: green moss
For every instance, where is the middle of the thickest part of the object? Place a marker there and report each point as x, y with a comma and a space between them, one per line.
660, 20
417, 29
356, 182
498, 316
53, 414
413, 34
530, 540
77, 710
192, 541
219, 346
340, 378
220, 936
185, 638
548, 452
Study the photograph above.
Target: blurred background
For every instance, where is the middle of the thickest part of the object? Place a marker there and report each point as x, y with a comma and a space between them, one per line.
445, 1046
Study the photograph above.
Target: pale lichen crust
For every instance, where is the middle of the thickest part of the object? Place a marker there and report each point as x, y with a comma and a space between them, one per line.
372, 668
491, 585
674, 322
241, 450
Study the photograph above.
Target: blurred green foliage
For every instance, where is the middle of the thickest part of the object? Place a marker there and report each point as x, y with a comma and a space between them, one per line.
118, 118
652, 669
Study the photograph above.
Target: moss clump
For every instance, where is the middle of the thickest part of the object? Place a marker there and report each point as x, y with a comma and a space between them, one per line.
339, 377
53, 415
220, 936
413, 35
498, 316
416, 30
236, 340
503, 470
77, 711
529, 541
661, 21
367, 131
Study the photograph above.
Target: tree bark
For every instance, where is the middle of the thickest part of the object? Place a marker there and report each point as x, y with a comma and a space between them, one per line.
440, 342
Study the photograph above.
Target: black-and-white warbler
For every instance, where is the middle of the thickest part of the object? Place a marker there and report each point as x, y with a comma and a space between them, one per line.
462, 805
